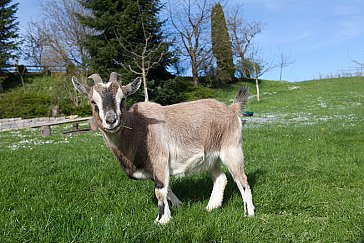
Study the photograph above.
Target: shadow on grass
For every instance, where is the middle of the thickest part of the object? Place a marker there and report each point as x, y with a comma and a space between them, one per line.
198, 188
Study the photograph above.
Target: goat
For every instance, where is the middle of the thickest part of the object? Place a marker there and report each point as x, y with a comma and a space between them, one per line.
155, 142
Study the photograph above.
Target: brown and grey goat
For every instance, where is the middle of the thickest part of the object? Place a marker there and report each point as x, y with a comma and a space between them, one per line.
155, 142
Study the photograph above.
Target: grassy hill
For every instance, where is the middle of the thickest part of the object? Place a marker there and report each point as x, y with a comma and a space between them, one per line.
304, 160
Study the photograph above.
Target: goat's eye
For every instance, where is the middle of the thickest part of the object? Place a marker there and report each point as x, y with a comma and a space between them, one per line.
122, 103
95, 105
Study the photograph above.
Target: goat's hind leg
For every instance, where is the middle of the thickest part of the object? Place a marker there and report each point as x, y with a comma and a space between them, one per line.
234, 160
220, 181
176, 203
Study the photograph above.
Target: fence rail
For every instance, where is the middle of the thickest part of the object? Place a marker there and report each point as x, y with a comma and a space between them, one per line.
343, 73
34, 69
18, 123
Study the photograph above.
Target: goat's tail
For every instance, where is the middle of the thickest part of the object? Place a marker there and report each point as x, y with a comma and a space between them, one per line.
241, 99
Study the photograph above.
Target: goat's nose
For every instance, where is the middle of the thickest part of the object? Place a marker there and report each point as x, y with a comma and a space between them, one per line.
110, 118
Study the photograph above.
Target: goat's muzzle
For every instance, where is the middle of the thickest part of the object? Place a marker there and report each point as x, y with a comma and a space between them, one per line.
112, 122
110, 117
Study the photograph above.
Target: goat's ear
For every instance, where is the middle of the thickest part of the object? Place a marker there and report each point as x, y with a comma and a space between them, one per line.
82, 88
133, 87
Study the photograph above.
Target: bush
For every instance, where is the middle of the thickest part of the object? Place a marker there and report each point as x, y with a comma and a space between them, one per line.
25, 105
82, 110
200, 92
171, 91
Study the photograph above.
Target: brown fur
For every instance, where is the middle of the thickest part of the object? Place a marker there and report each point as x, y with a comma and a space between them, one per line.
151, 128
157, 141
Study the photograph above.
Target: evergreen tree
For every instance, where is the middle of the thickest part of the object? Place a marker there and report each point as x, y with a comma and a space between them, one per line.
8, 31
122, 26
221, 45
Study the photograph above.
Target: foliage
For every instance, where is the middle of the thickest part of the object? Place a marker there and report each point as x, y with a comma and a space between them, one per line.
171, 91
303, 158
55, 38
42, 92
8, 31
221, 45
81, 110
245, 68
200, 92
58, 91
25, 105
121, 27
10, 81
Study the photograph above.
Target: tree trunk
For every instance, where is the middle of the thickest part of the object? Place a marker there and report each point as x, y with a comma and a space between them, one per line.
146, 97
257, 87
195, 75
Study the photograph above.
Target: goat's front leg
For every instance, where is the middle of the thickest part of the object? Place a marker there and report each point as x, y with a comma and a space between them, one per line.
161, 185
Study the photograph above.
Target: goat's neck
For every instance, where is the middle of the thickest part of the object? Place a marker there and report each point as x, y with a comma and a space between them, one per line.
118, 139
119, 143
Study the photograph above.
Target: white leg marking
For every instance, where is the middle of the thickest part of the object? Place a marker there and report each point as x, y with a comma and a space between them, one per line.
217, 193
246, 194
233, 158
165, 218
164, 214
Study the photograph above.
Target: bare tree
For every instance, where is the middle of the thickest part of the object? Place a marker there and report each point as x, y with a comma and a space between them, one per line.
144, 60
259, 66
242, 34
361, 64
190, 21
284, 61
59, 32
358, 70
34, 46
179, 66
20, 70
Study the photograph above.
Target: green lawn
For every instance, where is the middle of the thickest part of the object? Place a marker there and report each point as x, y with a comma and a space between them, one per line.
304, 152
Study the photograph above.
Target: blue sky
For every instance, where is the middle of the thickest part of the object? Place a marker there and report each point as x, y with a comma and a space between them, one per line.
320, 35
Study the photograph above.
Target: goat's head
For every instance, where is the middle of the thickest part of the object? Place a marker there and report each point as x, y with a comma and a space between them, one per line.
107, 99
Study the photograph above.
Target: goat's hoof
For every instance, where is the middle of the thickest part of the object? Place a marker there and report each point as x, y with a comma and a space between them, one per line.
163, 220
212, 206
176, 204
249, 210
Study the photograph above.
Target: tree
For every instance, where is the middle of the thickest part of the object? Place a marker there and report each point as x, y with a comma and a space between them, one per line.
221, 45
359, 68
124, 27
8, 32
242, 34
144, 59
190, 20
8, 35
35, 46
56, 38
259, 66
284, 61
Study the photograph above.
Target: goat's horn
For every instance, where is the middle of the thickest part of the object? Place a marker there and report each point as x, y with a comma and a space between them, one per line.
114, 77
96, 78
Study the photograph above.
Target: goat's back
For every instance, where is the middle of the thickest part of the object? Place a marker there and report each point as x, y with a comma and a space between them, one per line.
205, 123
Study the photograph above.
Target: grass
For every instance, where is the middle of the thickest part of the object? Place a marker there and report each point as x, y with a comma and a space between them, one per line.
304, 160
